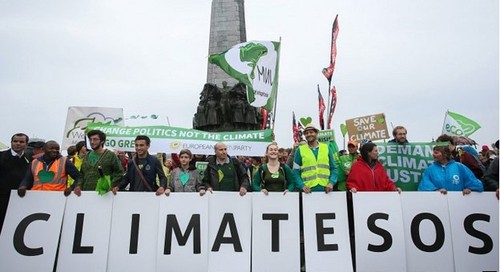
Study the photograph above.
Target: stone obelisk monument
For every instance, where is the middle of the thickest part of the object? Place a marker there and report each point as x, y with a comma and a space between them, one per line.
227, 28
223, 104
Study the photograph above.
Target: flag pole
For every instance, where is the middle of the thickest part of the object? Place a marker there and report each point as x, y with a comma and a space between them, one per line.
276, 82
444, 120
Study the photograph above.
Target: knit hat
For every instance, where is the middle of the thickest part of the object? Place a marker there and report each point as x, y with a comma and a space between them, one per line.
36, 142
485, 148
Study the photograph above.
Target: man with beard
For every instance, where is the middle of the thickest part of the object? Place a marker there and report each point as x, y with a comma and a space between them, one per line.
14, 163
100, 162
49, 172
313, 163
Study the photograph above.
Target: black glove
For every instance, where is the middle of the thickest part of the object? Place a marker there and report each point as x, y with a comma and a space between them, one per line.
21, 191
67, 191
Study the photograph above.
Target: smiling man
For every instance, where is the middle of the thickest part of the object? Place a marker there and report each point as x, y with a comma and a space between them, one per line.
143, 170
49, 172
314, 164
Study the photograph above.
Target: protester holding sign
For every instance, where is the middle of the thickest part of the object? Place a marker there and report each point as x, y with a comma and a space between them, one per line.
224, 173
314, 164
101, 170
143, 170
445, 174
186, 177
368, 174
275, 176
49, 172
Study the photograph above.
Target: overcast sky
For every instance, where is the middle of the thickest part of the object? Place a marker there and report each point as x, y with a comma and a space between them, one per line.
411, 60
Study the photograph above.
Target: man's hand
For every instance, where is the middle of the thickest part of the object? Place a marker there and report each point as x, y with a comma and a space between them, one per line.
306, 189
329, 188
353, 190
202, 192
398, 190
77, 191
210, 190
243, 191
443, 191
167, 192
67, 191
466, 191
264, 191
160, 191
114, 190
21, 191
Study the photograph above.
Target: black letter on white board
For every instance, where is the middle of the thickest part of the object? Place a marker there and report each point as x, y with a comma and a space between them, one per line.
134, 233
380, 231
321, 231
173, 226
415, 232
77, 241
275, 228
227, 219
19, 244
469, 228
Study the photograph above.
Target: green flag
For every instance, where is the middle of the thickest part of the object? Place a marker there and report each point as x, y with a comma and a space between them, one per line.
255, 64
459, 125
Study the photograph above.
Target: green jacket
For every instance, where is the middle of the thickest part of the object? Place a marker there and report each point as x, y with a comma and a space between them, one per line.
110, 166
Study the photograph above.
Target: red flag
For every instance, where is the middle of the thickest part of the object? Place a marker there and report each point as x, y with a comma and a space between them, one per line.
264, 118
295, 129
328, 72
333, 104
321, 107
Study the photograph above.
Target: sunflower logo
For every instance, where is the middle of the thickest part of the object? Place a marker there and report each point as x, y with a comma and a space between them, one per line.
175, 145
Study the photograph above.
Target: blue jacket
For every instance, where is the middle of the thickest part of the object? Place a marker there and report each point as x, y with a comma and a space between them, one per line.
453, 176
150, 171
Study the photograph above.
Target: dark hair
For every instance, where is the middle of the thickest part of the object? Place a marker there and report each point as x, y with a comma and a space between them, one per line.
20, 135
71, 150
187, 152
365, 149
444, 149
143, 137
79, 146
445, 138
99, 133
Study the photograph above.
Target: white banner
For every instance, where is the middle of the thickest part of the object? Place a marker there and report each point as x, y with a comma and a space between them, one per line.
326, 232
187, 232
79, 117
134, 235
275, 232
183, 233
31, 231
474, 228
230, 225
85, 233
380, 243
427, 230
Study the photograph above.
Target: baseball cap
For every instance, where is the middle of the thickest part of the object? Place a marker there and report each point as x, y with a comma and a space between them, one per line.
352, 142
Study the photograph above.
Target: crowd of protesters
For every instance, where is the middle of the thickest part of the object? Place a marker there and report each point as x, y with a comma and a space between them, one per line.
309, 167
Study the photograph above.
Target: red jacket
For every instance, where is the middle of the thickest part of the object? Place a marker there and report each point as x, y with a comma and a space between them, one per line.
364, 178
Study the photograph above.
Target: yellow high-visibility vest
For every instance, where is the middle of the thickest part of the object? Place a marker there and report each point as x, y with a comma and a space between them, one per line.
315, 171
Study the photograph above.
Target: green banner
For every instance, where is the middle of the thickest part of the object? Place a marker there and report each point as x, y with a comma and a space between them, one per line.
172, 139
405, 164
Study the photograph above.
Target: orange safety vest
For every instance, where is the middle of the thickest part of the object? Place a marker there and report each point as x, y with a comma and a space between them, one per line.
58, 183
